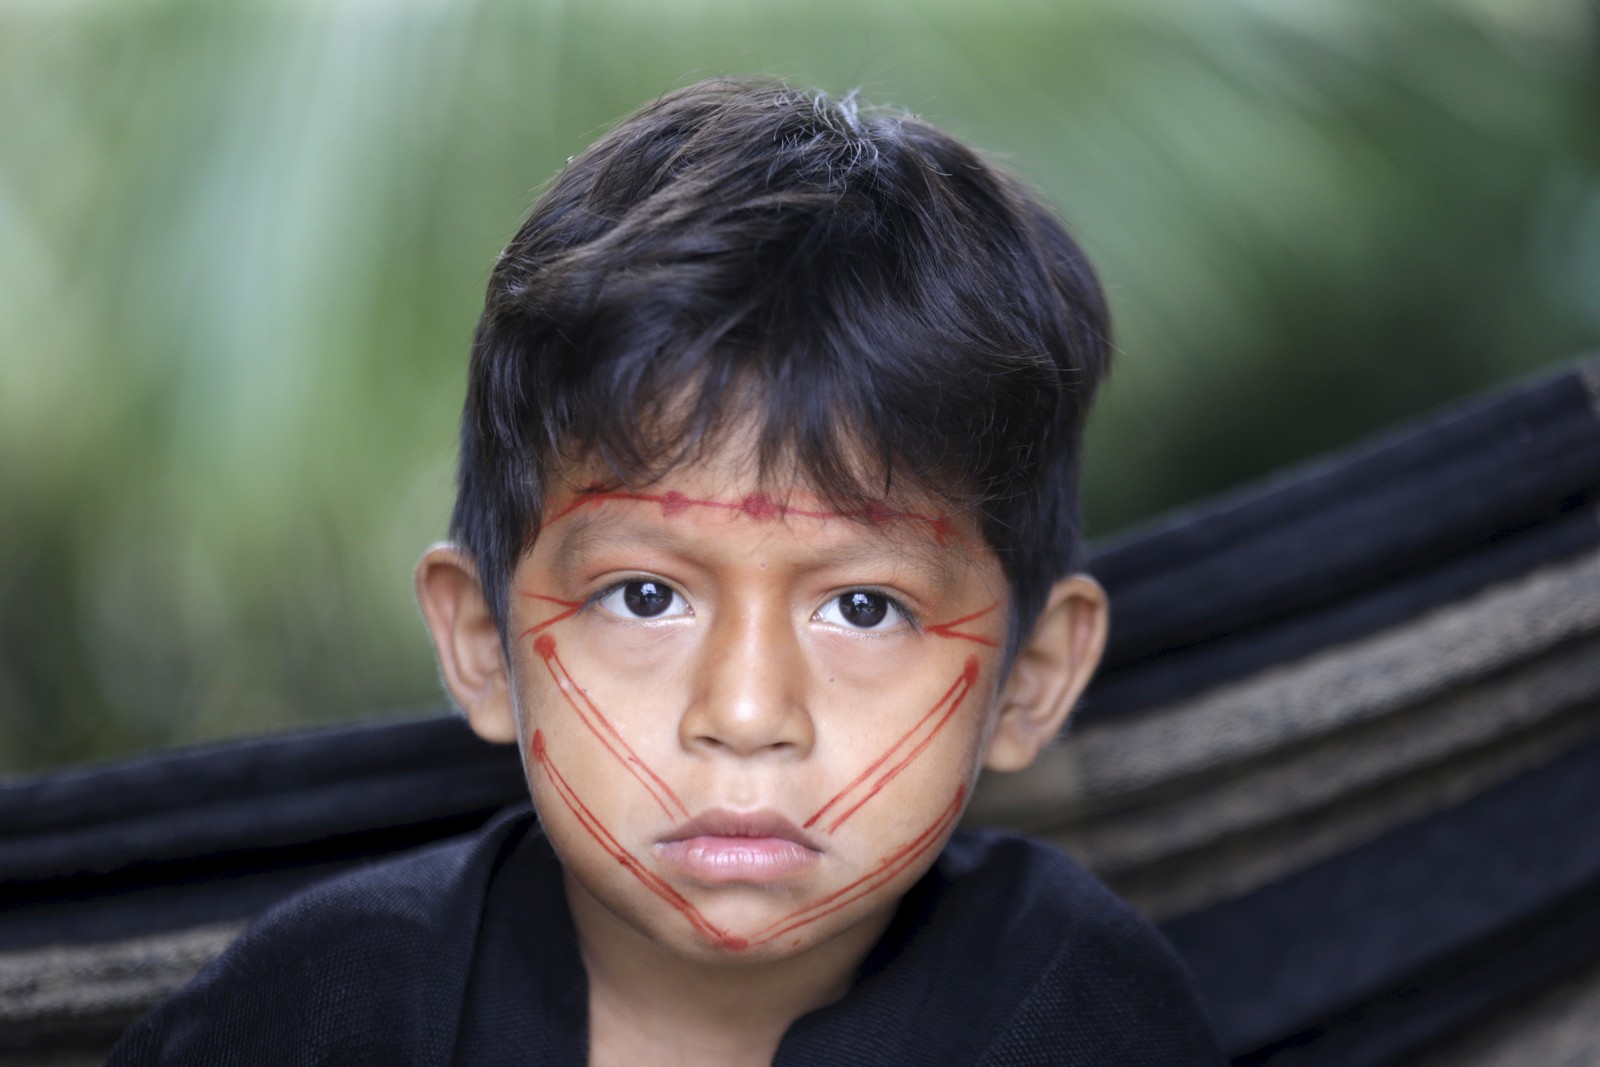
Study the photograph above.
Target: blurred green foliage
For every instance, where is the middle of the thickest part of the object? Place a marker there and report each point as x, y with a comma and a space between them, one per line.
242, 247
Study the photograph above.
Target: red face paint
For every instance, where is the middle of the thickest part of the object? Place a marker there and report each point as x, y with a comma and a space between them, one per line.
758, 507
631, 863
912, 744
888, 868
607, 734
906, 750
948, 629
572, 606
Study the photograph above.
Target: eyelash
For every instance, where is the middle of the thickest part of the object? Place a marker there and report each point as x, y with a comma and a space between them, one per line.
907, 616
596, 597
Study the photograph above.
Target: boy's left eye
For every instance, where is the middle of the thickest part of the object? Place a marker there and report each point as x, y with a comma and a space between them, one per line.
862, 609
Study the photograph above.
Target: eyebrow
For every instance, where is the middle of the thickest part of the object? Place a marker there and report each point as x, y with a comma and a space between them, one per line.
921, 557
585, 534
757, 505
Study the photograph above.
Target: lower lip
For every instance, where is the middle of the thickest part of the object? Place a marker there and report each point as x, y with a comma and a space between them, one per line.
738, 859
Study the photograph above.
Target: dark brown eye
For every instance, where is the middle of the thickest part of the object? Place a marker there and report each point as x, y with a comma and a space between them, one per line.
863, 610
643, 598
647, 599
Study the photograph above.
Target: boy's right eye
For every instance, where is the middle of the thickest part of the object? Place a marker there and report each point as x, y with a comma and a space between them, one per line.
643, 598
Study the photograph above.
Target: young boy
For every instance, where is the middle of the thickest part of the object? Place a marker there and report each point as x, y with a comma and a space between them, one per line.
765, 546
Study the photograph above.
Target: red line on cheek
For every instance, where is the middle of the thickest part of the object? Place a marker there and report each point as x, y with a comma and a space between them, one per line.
607, 734
888, 869
954, 696
967, 680
631, 863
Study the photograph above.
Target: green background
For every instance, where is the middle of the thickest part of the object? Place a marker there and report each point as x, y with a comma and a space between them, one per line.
242, 247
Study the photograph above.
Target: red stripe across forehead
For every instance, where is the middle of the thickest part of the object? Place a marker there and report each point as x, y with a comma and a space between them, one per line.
758, 507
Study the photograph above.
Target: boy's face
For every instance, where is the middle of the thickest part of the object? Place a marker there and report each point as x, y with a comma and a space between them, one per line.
749, 723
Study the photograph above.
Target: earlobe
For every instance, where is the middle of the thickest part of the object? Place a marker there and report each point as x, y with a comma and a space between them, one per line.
471, 659
1051, 672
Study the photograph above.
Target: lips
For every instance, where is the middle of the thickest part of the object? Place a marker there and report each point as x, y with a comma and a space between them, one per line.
752, 847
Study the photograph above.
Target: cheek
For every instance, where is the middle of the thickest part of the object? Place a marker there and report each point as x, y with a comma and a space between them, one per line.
922, 755
606, 756
883, 882
596, 854
885, 668
635, 673
879, 670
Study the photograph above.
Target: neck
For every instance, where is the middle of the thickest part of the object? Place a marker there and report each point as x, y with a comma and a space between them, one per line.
649, 1005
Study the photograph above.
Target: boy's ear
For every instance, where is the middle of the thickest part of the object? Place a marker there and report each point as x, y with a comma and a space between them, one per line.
1052, 669
467, 642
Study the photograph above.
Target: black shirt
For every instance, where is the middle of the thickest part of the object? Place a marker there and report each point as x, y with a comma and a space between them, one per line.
1006, 953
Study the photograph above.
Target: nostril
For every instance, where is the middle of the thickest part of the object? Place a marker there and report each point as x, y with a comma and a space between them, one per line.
748, 695
769, 736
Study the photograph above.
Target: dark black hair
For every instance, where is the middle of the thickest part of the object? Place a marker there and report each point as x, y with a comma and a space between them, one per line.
899, 315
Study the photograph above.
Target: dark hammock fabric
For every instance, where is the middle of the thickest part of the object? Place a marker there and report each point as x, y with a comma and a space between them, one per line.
1342, 750
1346, 545
465, 954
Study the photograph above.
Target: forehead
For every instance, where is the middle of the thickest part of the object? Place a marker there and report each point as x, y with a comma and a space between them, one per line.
728, 504
579, 509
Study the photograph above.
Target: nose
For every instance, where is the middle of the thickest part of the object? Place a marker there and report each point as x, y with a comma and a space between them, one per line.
748, 695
